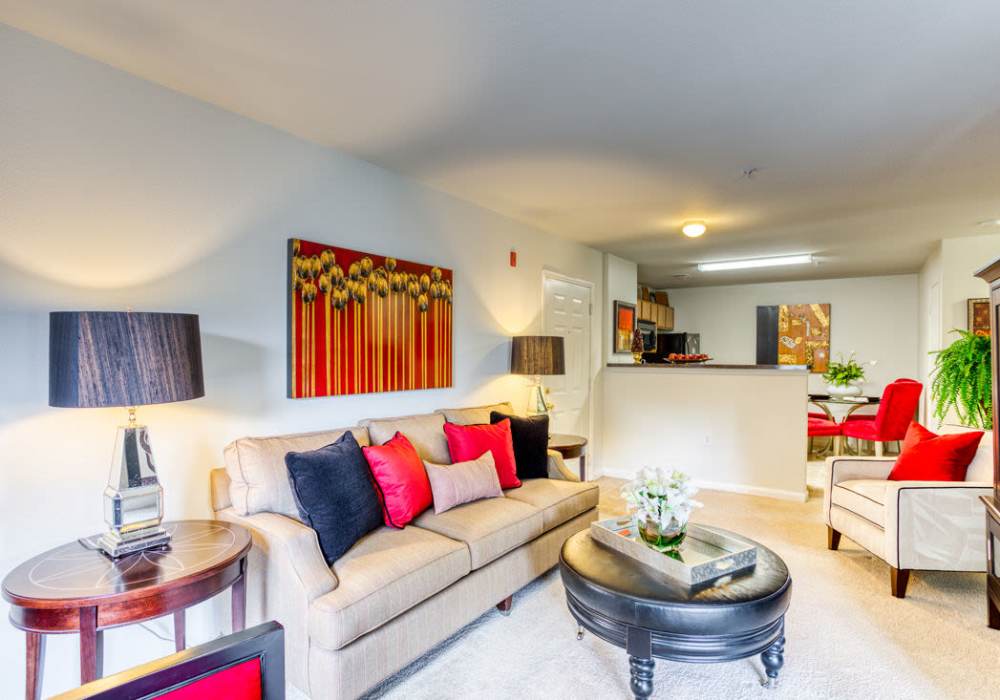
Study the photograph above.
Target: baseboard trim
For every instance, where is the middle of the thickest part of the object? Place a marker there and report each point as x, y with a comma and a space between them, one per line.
780, 494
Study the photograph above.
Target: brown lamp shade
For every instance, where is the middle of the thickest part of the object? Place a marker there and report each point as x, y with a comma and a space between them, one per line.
123, 358
537, 354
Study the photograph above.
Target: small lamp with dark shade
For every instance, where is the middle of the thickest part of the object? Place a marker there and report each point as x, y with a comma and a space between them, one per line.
537, 355
126, 359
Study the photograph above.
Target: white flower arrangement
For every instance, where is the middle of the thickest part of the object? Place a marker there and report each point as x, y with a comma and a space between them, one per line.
658, 497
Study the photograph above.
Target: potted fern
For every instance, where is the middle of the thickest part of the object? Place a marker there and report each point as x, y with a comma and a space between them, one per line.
963, 381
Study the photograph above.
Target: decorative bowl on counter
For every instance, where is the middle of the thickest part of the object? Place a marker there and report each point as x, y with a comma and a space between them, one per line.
676, 358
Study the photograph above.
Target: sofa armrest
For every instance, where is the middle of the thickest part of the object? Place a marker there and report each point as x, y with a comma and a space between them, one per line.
850, 468
847, 468
291, 549
558, 469
936, 525
286, 571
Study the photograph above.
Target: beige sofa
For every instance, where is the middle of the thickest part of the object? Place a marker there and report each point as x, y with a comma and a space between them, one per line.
396, 593
924, 525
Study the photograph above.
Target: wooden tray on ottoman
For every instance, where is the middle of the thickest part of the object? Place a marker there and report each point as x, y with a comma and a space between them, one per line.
706, 554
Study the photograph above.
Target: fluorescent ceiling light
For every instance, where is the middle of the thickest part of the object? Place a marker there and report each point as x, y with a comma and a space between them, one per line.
755, 262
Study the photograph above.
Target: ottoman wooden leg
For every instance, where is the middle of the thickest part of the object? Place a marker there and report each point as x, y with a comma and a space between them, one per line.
773, 658
641, 681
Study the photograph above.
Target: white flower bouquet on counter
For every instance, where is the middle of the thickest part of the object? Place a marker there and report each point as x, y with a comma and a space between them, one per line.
661, 503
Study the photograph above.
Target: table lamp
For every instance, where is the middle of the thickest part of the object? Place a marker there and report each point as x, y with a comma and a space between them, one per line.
537, 355
126, 359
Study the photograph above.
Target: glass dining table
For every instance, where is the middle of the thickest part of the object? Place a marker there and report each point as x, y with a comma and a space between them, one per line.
844, 406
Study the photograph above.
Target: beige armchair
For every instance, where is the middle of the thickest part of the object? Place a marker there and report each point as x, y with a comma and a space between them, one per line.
923, 525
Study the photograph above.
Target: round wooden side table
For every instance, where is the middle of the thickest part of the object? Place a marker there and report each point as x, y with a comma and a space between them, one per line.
75, 589
571, 447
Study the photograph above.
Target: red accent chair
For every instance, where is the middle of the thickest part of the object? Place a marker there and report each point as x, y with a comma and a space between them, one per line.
895, 411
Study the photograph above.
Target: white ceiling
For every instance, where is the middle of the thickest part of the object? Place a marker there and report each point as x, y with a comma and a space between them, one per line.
875, 126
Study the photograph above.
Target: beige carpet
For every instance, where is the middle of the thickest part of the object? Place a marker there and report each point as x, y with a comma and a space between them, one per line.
847, 637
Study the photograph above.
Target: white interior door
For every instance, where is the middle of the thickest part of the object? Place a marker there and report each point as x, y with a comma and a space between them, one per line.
567, 313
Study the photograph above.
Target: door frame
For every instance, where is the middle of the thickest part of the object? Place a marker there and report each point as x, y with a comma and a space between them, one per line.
547, 274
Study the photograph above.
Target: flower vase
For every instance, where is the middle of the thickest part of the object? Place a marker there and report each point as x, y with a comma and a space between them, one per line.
637, 358
664, 540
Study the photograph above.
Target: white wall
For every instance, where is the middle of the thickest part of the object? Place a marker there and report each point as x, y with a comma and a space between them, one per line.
731, 430
620, 284
947, 282
117, 193
875, 316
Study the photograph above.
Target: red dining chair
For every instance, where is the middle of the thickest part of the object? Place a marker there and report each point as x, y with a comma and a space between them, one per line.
820, 426
895, 411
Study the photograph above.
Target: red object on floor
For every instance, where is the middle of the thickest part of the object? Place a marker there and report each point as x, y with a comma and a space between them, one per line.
238, 682
401, 480
467, 442
927, 456
895, 412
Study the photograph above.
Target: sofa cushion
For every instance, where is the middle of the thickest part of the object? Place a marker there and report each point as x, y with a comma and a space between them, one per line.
463, 482
335, 495
927, 456
559, 501
382, 576
476, 415
863, 497
257, 473
467, 442
400, 480
489, 528
424, 431
531, 443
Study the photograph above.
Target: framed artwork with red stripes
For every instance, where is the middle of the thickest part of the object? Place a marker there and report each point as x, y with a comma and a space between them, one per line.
361, 323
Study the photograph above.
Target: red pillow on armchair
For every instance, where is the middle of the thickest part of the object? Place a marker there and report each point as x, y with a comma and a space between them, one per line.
401, 481
926, 456
467, 442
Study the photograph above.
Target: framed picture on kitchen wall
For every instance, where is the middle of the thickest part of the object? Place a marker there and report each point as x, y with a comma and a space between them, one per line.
360, 322
624, 326
979, 316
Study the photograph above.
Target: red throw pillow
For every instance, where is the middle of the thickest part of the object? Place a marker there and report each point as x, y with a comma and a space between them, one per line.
401, 481
926, 456
466, 442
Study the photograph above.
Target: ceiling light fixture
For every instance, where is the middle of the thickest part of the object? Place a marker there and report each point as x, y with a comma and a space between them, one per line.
755, 262
693, 229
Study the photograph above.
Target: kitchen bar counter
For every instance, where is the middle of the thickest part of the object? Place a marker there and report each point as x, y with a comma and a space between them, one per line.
735, 428
708, 365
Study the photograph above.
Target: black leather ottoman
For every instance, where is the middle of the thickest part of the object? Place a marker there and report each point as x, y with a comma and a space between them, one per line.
650, 615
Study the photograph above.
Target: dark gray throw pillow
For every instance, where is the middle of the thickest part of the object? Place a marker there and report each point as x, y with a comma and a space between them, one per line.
335, 495
531, 444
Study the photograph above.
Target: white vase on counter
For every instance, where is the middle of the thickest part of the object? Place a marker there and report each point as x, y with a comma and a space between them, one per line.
851, 389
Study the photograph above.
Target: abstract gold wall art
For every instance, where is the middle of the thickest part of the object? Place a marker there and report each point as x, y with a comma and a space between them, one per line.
361, 323
794, 334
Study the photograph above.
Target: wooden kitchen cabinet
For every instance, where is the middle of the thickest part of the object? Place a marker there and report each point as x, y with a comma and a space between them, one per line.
660, 314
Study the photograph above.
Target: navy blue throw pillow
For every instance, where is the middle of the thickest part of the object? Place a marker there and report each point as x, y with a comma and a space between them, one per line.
531, 444
335, 495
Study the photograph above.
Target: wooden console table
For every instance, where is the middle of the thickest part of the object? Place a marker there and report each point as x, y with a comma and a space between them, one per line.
75, 589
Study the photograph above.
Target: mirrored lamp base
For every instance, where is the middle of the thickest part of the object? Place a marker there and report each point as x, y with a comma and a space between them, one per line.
133, 499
